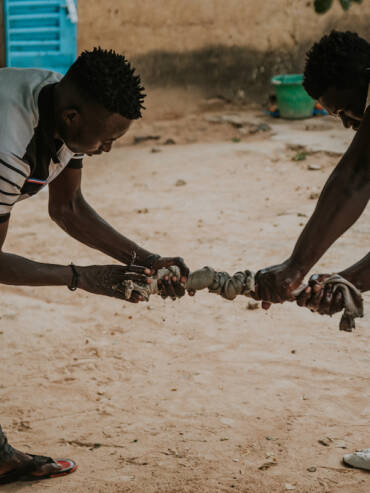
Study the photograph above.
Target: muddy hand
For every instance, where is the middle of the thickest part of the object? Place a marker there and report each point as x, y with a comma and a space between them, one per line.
277, 284
108, 280
172, 286
319, 298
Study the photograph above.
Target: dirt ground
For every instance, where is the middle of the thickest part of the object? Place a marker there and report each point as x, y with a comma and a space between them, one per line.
199, 395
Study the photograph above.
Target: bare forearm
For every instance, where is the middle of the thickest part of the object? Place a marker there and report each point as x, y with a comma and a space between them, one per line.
85, 225
336, 211
342, 201
359, 274
20, 271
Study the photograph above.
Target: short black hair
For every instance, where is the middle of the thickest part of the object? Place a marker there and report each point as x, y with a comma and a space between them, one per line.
338, 60
107, 78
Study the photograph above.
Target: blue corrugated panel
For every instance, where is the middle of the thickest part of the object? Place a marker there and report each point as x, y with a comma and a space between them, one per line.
39, 33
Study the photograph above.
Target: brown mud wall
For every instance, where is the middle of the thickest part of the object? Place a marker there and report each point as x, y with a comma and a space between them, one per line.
223, 47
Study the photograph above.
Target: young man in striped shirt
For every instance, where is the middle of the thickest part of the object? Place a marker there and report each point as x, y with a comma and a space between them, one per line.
48, 122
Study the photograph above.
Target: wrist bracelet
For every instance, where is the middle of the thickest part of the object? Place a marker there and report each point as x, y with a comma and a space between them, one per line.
75, 276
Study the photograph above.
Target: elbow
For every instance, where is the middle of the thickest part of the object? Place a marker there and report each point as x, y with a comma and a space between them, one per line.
360, 182
62, 214
356, 181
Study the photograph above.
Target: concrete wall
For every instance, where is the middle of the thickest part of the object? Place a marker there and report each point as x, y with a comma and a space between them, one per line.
141, 26
218, 45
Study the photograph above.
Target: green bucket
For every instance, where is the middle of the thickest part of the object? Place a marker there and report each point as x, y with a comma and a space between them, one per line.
292, 99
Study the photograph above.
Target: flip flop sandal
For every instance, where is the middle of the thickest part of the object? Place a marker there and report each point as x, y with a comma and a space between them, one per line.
24, 473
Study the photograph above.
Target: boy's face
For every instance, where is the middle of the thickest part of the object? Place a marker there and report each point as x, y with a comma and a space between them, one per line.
92, 130
347, 104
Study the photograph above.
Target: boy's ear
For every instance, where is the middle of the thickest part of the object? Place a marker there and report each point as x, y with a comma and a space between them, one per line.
71, 117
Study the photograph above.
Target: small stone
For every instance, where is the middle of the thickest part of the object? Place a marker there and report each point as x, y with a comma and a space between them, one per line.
240, 94
214, 104
180, 183
325, 441
213, 119
314, 195
234, 120
155, 149
267, 465
313, 167
144, 138
126, 478
264, 127
169, 142
243, 131
311, 469
252, 305
235, 460
289, 487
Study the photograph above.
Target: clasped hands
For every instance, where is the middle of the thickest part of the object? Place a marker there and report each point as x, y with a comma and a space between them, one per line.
275, 284
284, 282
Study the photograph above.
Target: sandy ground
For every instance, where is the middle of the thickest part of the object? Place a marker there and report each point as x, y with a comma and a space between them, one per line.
199, 395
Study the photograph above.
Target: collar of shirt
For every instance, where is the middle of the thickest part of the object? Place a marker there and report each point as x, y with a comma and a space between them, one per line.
47, 122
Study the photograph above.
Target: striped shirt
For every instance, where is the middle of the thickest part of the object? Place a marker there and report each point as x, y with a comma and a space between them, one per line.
30, 156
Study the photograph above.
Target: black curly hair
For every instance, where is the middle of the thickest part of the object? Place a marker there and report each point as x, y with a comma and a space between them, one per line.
108, 79
338, 60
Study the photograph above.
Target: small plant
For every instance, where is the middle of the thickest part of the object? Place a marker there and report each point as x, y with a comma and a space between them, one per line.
300, 156
322, 6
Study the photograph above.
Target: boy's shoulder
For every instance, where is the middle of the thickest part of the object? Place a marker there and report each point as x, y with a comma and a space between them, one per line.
19, 92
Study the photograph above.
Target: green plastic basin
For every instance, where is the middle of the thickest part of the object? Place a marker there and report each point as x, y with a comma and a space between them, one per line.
292, 99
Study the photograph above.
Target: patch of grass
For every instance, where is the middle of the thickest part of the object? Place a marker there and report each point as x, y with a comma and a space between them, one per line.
300, 156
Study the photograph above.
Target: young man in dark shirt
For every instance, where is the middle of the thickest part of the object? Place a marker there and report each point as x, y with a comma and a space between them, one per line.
48, 123
337, 73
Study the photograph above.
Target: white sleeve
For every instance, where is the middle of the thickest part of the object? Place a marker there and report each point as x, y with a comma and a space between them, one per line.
13, 174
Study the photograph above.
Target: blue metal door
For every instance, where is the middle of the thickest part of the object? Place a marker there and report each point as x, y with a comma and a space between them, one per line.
40, 33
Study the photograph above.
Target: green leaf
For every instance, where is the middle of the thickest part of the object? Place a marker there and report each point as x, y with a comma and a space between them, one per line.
322, 6
345, 4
